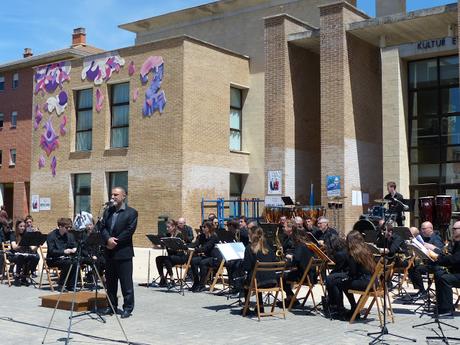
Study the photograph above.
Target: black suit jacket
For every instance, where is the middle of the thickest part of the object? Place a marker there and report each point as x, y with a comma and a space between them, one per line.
123, 229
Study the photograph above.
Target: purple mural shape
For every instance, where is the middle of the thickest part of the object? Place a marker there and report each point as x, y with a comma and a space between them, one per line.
62, 125
131, 68
99, 100
38, 117
49, 140
135, 94
53, 166
58, 103
101, 69
155, 99
41, 162
48, 78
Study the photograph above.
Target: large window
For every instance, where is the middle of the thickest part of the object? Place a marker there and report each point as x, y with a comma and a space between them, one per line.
14, 119
2, 83
84, 111
12, 157
119, 136
434, 121
118, 179
82, 193
236, 107
15, 80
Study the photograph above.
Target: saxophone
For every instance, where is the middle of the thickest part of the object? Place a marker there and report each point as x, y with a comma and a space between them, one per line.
279, 247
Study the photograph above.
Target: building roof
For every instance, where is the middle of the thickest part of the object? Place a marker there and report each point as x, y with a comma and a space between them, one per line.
404, 28
41, 59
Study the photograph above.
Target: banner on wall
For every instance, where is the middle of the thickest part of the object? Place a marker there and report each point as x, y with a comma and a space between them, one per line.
35, 202
274, 182
333, 185
45, 204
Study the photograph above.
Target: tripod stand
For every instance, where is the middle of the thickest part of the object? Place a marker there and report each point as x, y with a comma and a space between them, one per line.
384, 330
76, 260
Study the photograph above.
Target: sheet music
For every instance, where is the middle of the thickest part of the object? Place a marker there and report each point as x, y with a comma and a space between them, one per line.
231, 251
420, 246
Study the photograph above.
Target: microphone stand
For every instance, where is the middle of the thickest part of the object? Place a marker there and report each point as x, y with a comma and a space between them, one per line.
384, 330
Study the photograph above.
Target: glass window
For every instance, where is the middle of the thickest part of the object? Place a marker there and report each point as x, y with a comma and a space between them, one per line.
2, 118
84, 127
12, 156
450, 173
448, 70
424, 173
423, 73
2, 83
425, 131
118, 179
82, 193
450, 100
1, 157
451, 154
424, 103
425, 154
450, 130
120, 115
14, 119
15, 80
235, 119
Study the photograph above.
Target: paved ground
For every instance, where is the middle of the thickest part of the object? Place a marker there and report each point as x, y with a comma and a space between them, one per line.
162, 317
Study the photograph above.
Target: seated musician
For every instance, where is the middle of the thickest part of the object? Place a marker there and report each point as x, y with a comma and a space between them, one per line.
61, 245
297, 263
286, 241
25, 258
282, 224
359, 267
204, 257
258, 250
446, 280
324, 233
393, 243
416, 234
299, 224
310, 226
244, 235
184, 228
433, 242
174, 257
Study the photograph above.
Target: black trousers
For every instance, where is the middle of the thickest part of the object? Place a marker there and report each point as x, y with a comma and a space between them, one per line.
444, 283
200, 267
64, 265
25, 264
120, 270
415, 275
338, 284
168, 262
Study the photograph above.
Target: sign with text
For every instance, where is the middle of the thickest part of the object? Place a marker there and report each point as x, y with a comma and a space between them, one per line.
333, 185
35, 203
45, 204
274, 182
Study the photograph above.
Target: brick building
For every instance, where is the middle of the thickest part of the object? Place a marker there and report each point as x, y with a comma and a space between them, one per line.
314, 90
16, 90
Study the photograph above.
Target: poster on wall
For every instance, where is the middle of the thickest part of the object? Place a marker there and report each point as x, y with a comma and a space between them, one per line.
274, 182
333, 185
35, 202
45, 204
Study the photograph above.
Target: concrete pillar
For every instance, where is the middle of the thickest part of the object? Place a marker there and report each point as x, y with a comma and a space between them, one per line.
20, 202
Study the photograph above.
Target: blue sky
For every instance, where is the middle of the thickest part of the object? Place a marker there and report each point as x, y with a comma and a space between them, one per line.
47, 25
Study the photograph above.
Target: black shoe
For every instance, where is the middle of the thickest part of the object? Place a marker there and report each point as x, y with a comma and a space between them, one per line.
193, 288
25, 282
446, 314
162, 283
107, 311
17, 281
125, 314
200, 288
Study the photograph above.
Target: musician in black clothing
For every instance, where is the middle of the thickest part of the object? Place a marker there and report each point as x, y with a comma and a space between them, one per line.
434, 243
309, 225
244, 232
393, 243
174, 257
446, 280
297, 263
396, 205
25, 258
61, 245
205, 257
324, 234
286, 240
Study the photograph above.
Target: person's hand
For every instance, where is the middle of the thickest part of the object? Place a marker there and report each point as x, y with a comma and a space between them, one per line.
112, 242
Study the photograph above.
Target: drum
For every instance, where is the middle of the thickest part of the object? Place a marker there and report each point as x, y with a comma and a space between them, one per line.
367, 229
330, 204
426, 209
378, 211
443, 209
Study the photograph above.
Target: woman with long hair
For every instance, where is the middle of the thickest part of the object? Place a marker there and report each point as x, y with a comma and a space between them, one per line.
359, 267
25, 258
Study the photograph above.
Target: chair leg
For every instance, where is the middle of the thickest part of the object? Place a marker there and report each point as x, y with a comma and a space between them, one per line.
246, 303
282, 299
258, 304
361, 302
390, 309
377, 302
274, 301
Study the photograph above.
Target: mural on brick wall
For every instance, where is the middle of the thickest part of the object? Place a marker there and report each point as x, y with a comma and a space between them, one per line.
131, 68
155, 98
49, 139
100, 70
99, 100
37, 117
58, 103
53, 166
48, 78
41, 162
62, 128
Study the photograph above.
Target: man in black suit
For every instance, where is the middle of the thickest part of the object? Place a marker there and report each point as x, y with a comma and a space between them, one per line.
396, 205
118, 225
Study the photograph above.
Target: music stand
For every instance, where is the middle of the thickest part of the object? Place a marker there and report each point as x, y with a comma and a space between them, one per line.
156, 241
370, 236
32, 239
225, 236
175, 244
311, 238
403, 232
270, 232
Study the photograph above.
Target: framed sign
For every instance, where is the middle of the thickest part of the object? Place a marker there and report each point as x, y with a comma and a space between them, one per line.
274, 182
333, 185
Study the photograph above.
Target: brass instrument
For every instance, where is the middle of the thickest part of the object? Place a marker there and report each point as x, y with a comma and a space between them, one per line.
279, 247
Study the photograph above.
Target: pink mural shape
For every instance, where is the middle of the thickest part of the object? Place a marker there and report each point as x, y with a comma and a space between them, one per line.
100, 70
49, 140
41, 162
155, 98
53, 166
131, 68
49, 77
58, 103
38, 117
99, 100
135, 94
62, 125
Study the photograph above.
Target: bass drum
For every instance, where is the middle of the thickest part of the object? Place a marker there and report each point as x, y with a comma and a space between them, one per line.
367, 229
426, 209
443, 209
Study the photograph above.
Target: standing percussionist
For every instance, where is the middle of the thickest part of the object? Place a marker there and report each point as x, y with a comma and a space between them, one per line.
117, 228
396, 205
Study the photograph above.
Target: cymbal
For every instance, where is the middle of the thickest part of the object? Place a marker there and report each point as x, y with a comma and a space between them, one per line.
381, 201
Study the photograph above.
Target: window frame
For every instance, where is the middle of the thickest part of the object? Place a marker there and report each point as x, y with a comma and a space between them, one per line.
13, 161
77, 110
110, 179
240, 110
2, 120
14, 125
2, 82
75, 194
112, 105
1, 158
15, 80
